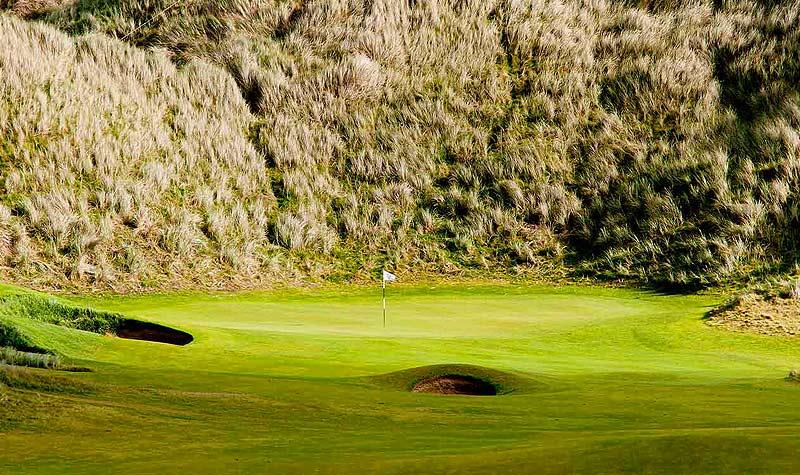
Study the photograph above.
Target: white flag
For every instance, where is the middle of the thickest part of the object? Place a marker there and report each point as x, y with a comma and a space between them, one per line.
389, 277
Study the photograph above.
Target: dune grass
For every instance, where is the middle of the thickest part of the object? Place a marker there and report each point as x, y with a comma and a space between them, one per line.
258, 141
593, 380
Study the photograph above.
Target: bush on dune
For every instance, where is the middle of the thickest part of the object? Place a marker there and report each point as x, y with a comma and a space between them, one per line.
651, 140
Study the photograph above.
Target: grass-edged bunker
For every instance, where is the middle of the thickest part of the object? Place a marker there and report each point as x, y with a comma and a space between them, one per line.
458, 379
22, 306
455, 384
146, 331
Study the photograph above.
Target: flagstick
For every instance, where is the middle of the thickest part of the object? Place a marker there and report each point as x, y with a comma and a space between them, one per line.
384, 302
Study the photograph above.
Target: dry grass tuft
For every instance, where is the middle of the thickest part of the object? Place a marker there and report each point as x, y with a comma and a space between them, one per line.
12, 357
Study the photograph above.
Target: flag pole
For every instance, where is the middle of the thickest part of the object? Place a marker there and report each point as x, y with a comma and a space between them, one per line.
383, 281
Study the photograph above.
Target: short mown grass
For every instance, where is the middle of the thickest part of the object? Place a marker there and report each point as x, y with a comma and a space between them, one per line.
591, 380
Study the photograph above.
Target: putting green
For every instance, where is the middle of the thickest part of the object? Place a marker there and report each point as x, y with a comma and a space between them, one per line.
308, 381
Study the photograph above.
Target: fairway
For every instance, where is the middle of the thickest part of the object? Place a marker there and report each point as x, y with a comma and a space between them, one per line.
592, 380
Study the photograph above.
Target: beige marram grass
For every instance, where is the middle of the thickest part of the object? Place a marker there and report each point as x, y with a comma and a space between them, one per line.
502, 133
110, 145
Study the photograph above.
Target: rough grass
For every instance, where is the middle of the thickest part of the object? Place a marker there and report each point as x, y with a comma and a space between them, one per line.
20, 310
115, 162
648, 140
26, 379
10, 336
48, 310
12, 357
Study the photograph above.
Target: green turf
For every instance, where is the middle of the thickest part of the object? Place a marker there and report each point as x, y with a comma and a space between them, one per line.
308, 381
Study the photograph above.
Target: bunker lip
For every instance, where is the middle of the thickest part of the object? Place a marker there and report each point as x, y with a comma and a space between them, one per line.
455, 384
146, 331
458, 378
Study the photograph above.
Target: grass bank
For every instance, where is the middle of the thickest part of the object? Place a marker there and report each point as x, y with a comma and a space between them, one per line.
239, 143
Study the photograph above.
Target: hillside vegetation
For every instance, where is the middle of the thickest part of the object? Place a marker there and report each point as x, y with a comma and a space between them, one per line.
240, 141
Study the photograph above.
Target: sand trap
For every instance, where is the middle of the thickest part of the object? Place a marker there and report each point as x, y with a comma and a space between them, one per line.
136, 330
758, 314
455, 384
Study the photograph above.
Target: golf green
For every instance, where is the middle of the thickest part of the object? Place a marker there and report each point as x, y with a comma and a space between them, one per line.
590, 380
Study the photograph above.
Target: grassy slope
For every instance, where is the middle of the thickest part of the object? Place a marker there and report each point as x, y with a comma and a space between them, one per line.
654, 140
607, 381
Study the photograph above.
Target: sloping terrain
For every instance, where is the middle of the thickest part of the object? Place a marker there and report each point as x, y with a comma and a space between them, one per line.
22, 311
110, 155
269, 140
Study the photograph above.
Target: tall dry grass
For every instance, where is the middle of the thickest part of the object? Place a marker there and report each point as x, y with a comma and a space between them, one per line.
115, 161
649, 139
12, 357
